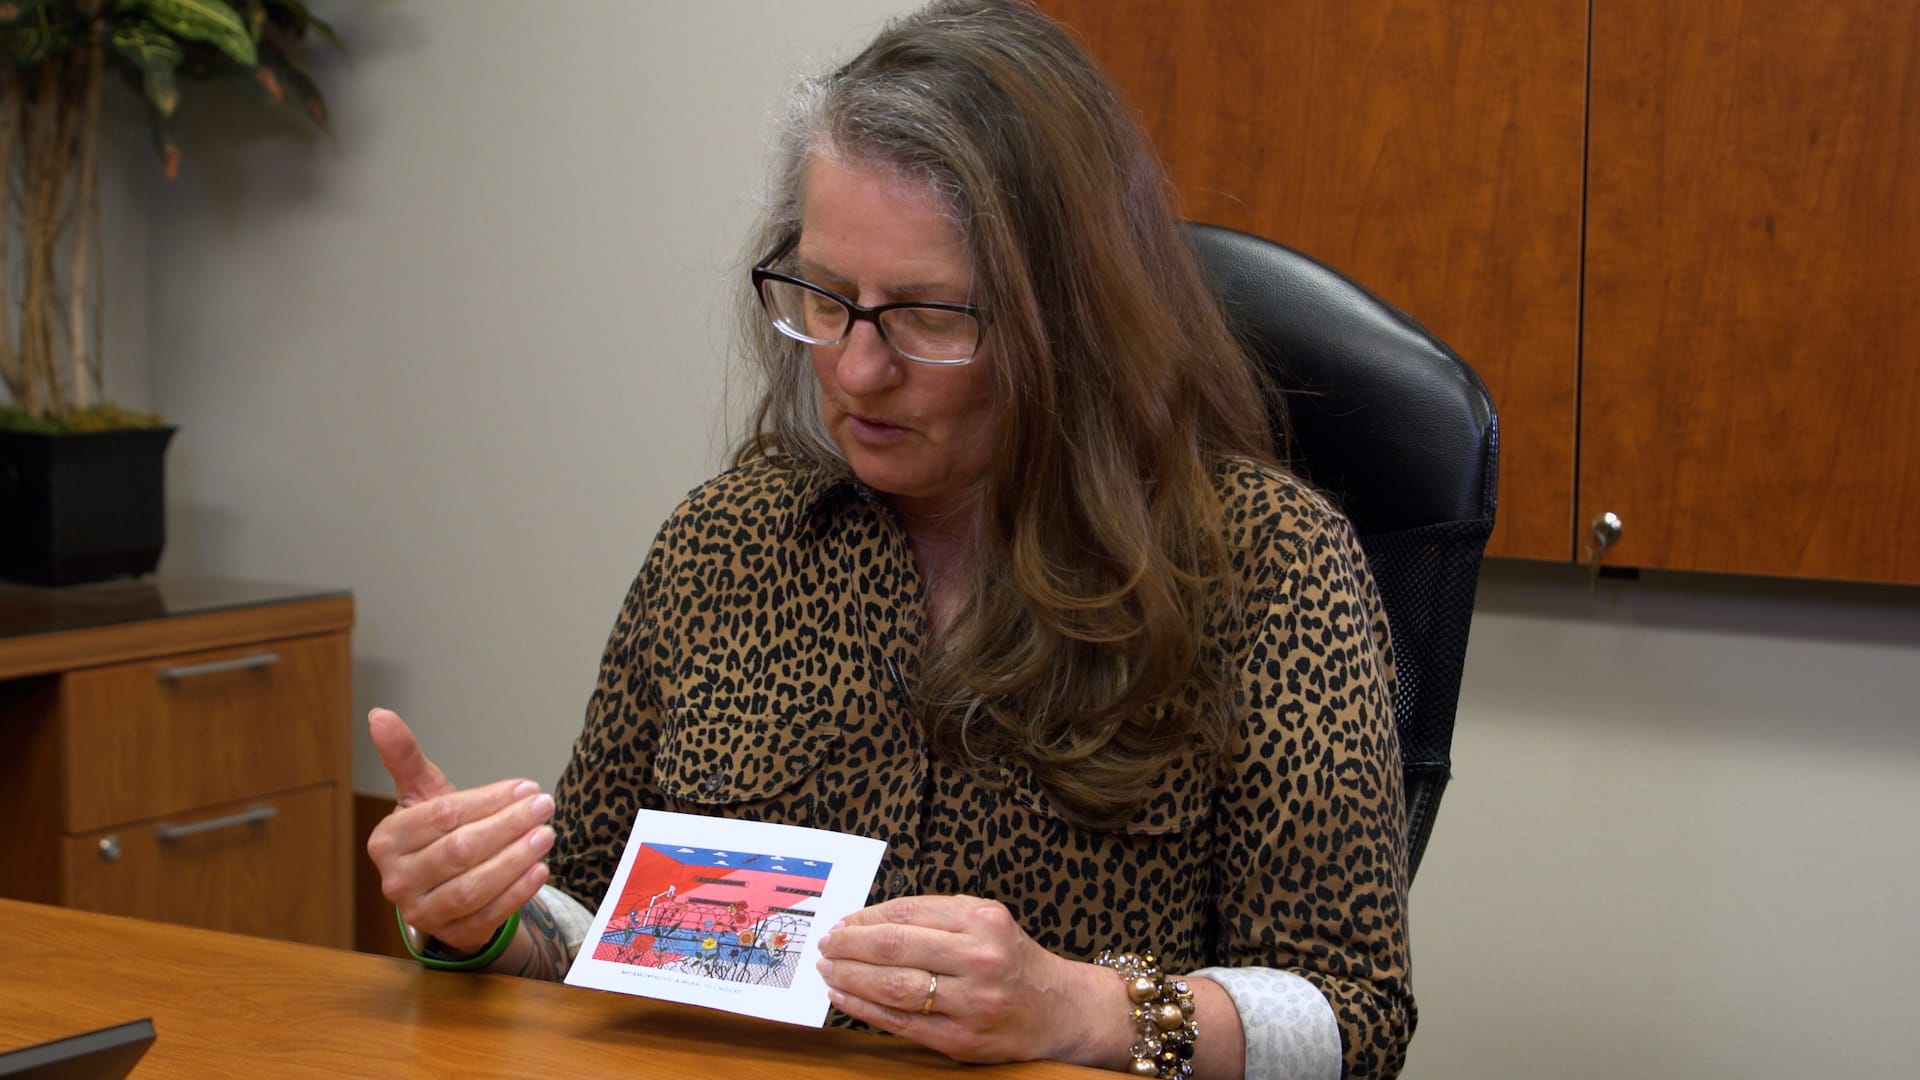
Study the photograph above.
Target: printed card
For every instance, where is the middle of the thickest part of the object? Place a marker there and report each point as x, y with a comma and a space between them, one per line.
725, 914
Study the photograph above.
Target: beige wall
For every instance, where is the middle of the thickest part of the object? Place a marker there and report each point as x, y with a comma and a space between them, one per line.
463, 357
1677, 842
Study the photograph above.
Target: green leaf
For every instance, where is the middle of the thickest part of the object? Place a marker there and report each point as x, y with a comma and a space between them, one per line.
298, 85
37, 31
168, 151
156, 56
255, 14
13, 11
258, 82
274, 82
212, 21
296, 13
163, 144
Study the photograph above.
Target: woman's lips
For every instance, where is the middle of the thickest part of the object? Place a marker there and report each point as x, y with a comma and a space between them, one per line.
875, 431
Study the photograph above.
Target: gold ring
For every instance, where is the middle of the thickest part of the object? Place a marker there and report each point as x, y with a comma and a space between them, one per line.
933, 987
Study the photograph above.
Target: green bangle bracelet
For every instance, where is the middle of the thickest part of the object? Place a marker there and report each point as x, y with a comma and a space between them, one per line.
411, 938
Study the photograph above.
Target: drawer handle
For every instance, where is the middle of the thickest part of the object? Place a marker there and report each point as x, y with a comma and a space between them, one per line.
176, 672
251, 816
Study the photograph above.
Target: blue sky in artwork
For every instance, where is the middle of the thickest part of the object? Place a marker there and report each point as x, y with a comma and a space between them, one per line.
744, 860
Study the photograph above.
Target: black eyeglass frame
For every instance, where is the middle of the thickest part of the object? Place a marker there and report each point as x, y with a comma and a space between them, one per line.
857, 313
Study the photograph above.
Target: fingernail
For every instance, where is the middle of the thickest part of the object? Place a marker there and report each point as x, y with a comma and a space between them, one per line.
821, 941
839, 999
836, 926
825, 968
543, 806
542, 838
526, 788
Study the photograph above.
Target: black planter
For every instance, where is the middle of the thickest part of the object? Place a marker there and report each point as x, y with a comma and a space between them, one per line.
82, 507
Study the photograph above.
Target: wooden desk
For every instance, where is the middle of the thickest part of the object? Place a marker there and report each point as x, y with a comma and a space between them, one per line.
227, 1005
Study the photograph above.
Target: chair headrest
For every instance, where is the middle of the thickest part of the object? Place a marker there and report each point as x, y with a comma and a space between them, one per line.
1382, 414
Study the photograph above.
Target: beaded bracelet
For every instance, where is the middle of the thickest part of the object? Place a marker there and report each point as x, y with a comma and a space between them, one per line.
1163, 1011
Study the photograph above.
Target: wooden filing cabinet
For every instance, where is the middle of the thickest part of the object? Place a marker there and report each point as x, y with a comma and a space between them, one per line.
180, 750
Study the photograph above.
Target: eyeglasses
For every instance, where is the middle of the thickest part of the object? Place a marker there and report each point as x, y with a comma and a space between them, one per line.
923, 331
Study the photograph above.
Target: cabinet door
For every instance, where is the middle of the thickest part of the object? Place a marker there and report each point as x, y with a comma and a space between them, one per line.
1430, 149
261, 866
1750, 386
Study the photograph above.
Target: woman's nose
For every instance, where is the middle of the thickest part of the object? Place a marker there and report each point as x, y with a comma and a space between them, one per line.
867, 363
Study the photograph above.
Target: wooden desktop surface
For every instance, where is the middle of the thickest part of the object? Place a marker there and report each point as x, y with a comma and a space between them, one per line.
230, 1006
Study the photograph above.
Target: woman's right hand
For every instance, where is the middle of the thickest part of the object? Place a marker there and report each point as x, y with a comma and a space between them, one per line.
456, 863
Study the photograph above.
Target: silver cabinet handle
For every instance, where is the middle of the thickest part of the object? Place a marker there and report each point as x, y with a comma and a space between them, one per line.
110, 848
176, 672
1601, 535
251, 816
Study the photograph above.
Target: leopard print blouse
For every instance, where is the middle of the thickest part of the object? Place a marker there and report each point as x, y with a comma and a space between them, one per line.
763, 665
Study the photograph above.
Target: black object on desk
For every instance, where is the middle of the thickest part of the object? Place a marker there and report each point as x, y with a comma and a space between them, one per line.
107, 1054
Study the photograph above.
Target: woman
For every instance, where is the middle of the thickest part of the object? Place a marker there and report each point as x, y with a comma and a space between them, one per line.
1005, 575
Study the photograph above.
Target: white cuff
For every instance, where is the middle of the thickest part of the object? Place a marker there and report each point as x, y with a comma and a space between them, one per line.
1290, 1028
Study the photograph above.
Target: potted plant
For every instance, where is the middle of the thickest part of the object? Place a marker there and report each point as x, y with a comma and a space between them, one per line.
80, 480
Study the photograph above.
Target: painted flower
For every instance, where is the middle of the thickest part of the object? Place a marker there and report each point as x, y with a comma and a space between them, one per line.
780, 940
746, 938
709, 944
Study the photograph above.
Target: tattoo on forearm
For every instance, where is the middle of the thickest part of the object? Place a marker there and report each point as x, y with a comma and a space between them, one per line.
548, 957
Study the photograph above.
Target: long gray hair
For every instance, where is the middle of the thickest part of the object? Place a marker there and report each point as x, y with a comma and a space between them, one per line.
1119, 388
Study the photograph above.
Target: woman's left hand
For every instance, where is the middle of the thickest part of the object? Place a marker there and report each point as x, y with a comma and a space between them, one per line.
956, 974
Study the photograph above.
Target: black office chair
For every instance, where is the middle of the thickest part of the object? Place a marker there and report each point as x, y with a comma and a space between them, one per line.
1387, 421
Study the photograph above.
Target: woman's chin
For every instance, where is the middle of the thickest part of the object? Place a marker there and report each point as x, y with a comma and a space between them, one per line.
886, 481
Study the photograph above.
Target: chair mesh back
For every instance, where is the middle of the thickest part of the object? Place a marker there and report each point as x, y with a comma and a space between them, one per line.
1427, 578
1400, 433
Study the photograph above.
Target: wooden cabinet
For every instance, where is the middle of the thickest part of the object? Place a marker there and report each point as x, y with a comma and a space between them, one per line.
1750, 378
1429, 149
1675, 238
179, 751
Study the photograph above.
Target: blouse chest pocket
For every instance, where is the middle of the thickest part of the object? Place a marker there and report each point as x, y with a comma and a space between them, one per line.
717, 756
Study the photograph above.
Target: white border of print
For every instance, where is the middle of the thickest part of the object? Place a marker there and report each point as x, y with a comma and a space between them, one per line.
854, 859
